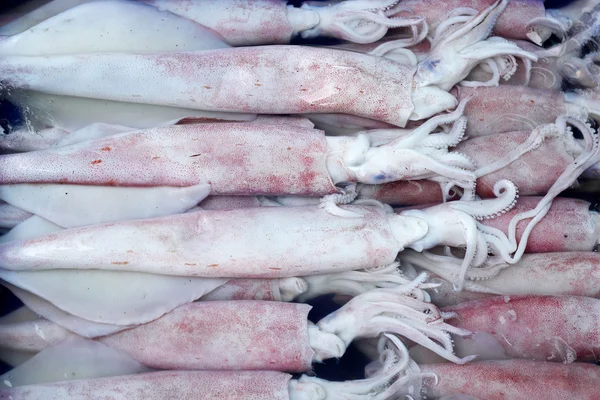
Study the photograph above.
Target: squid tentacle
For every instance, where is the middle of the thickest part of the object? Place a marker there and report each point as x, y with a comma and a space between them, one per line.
445, 26
506, 194
534, 140
494, 47
385, 163
396, 50
493, 81
446, 266
395, 373
418, 135
356, 20
588, 157
450, 139
455, 223
386, 311
354, 283
455, 53
476, 26
330, 202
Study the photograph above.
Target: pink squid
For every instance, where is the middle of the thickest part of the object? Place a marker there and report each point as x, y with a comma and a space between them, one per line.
383, 384
545, 328
512, 380
540, 274
316, 80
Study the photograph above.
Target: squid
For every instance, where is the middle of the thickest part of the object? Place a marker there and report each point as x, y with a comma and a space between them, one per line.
256, 22
508, 108
556, 64
319, 164
324, 81
395, 370
226, 335
539, 274
111, 26
512, 379
83, 308
244, 22
532, 159
522, 19
544, 328
177, 166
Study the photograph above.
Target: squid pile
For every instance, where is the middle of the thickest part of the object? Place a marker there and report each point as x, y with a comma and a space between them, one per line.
246, 199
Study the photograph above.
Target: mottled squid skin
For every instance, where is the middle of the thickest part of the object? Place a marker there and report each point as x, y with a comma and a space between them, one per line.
234, 80
508, 108
511, 23
240, 22
226, 243
533, 172
227, 385
239, 159
222, 335
540, 274
551, 328
568, 226
514, 380
403, 193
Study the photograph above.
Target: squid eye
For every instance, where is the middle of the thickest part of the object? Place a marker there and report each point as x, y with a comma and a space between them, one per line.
431, 65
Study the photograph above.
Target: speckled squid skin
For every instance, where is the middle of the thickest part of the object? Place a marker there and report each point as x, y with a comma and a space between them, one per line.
222, 335
541, 274
242, 159
167, 385
535, 327
508, 108
240, 22
262, 242
511, 23
533, 173
515, 380
403, 193
228, 202
568, 226
264, 80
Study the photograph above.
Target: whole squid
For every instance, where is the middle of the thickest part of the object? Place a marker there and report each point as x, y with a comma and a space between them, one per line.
314, 80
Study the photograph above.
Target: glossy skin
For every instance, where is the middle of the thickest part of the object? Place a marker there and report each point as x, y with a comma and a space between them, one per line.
533, 172
111, 26
568, 226
515, 380
508, 108
540, 274
511, 23
553, 328
255, 385
222, 335
200, 244
324, 81
233, 158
